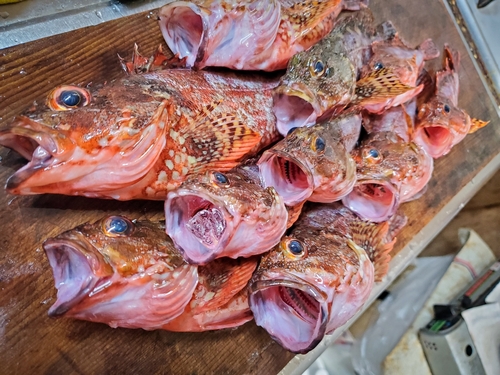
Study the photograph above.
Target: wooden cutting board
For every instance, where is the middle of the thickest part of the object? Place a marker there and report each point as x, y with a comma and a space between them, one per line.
31, 342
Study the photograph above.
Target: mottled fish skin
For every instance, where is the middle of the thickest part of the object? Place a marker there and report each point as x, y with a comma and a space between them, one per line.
214, 214
440, 123
404, 62
220, 299
322, 79
247, 35
314, 163
140, 136
390, 169
318, 277
119, 272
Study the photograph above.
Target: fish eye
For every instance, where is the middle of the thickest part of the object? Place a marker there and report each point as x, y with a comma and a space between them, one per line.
115, 226
294, 248
378, 66
220, 179
447, 108
317, 68
64, 98
372, 155
318, 144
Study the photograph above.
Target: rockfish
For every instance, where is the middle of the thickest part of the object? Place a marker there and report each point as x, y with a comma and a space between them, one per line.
140, 136
441, 124
247, 35
214, 214
314, 163
319, 276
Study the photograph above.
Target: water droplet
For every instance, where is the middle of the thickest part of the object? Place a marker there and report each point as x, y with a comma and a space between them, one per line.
23, 72
98, 14
4, 14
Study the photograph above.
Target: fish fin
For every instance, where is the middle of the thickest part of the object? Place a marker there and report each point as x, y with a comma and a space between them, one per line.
396, 223
218, 141
355, 4
140, 64
294, 213
381, 83
219, 281
451, 58
386, 30
429, 49
137, 63
477, 124
408, 119
373, 239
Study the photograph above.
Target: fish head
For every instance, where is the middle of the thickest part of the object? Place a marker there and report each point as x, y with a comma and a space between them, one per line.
211, 215
119, 272
317, 82
81, 140
440, 125
302, 287
309, 164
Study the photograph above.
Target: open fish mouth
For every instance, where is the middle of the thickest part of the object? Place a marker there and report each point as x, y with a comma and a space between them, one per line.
197, 224
292, 311
183, 26
436, 140
73, 275
294, 108
291, 179
374, 200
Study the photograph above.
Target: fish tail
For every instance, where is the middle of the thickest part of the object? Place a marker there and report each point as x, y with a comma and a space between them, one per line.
429, 49
381, 83
477, 124
373, 238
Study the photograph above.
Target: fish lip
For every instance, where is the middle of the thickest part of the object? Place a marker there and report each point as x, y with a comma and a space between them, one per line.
266, 280
267, 170
198, 53
360, 208
76, 250
426, 164
299, 99
175, 213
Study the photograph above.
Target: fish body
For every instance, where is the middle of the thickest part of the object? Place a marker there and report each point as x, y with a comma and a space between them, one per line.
390, 169
247, 35
404, 62
216, 214
313, 163
322, 79
140, 136
318, 277
441, 124
220, 299
120, 273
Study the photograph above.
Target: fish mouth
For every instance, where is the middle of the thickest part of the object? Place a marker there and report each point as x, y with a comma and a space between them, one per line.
74, 278
436, 140
373, 199
292, 180
292, 311
294, 107
183, 26
197, 224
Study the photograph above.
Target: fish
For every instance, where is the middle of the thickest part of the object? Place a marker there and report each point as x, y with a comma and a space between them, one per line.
322, 81
119, 272
214, 214
247, 35
220, 299
390, 169
319, 276
313, 163
441, 123
139, 136
404, 62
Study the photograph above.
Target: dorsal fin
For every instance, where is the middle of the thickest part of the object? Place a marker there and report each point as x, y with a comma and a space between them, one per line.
477, 124
381, 83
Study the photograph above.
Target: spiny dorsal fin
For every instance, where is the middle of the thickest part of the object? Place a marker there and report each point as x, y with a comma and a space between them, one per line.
373, 239
477, 124
381, 83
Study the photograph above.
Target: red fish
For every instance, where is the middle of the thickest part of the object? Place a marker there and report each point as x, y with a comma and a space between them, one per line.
121, 273
441, 124
247, 35
319, 276
140, 136
214, 214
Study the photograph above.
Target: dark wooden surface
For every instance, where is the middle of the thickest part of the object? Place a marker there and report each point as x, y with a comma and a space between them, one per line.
30, 342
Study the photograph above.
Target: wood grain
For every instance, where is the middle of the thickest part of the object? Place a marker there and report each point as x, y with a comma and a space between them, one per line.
30, 342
